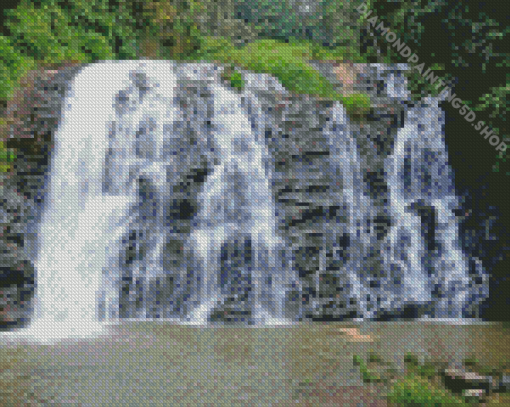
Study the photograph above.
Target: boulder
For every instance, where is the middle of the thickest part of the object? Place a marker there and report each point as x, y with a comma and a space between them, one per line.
459, 380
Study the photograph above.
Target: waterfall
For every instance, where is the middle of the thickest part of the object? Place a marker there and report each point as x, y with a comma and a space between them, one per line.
174, 196
238, 202
76, 226
421, 178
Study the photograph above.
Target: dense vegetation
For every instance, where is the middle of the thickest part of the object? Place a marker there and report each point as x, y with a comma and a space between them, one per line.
461, 39
49, 32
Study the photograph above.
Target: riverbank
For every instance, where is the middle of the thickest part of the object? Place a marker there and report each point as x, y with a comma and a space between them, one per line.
303, 365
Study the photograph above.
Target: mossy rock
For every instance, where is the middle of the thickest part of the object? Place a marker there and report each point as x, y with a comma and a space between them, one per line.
232, 77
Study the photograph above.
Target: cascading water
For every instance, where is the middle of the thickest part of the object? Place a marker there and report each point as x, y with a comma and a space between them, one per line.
421, 181
238, 202
76, 226
167, 199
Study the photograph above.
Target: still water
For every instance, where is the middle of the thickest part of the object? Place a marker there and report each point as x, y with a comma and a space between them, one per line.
138, 363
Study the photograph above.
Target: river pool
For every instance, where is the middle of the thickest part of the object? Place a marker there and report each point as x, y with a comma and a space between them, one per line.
135, 363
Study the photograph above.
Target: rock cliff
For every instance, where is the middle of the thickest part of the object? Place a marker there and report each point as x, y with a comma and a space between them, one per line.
363, 210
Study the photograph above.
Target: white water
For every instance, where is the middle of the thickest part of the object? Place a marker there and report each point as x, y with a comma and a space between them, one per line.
89, 213
77, 224
81, 225
237, 201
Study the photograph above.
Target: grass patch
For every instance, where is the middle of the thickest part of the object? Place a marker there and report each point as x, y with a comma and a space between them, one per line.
289, 63
367, 375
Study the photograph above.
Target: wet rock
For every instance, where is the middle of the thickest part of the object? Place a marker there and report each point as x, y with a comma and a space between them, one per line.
474, 395
31, 117
502, 384
458, 380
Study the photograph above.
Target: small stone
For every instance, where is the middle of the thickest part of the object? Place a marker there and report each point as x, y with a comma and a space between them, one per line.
474, 395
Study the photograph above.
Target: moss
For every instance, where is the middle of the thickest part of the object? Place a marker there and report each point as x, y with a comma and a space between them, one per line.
233, 77
7, 156
357, 105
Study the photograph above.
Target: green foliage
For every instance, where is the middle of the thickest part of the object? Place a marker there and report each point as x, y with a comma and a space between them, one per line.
13, 66
288, 63
234, 78
330, 22
357, 360
46, 35
427, 369
212, 46
495, 104
174, 28
272, 19
7, 156
116, 25
374, 358
81, 30
357, 105
419, 87
269, 56
416, 391
339, 24
368, 376
411, 359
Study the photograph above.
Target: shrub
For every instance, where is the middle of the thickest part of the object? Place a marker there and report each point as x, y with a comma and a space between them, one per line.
329, 22
272, 19
47, 36
170, 30
6, 156
13, 65
367, 375
416, 391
